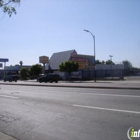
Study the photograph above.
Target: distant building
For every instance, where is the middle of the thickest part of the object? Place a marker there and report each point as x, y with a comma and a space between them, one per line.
86, 65
84, 61
59, 57
11, 70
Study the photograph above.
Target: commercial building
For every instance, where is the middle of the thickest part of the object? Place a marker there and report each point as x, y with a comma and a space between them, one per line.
84, 61
12, 70
86, 65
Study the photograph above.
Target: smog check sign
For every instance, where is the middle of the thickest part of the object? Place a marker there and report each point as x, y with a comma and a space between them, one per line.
132, 133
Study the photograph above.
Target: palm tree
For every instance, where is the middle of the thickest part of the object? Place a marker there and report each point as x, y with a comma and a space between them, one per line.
21, 63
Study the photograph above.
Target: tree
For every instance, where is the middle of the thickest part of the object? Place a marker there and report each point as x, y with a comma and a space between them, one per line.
9, 6
24, 73
109, 62
103, 62
127, 65
21, 63
98, 62
36, 69
68, 66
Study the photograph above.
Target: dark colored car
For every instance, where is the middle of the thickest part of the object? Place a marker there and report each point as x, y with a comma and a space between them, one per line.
40, 75
49, 78
11, 78
33, 77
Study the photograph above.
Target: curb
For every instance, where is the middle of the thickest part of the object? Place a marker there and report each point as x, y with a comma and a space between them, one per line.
6, 137
72, 86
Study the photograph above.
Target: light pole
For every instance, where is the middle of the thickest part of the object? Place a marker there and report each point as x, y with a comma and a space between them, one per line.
111, 57
94, 53
111, 64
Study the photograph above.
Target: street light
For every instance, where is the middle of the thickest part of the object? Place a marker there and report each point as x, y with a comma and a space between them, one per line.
94, 53
111, 57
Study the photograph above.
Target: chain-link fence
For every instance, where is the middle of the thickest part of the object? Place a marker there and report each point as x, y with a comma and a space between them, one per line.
102, 74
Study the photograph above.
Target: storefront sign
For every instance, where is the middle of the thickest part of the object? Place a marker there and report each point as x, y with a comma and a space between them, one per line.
43, 59
77, 75
81, 65
4, 60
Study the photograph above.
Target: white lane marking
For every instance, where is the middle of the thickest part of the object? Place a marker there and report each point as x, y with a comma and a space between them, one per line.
107, 109
62, 92
98, 94
9, 96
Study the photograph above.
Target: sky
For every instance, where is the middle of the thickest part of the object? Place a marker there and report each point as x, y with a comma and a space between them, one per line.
48, 26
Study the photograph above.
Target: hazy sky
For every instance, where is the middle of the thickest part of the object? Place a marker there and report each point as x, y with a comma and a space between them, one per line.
48, 26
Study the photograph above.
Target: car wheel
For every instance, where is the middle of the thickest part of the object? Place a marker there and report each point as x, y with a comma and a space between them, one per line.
56, 81
4, 80
50, 81
40, 81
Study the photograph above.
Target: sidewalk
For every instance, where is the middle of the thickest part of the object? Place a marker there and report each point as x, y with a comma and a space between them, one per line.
6, 137
133, 84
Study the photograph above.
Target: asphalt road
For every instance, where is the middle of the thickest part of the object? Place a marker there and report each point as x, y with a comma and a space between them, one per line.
53, 113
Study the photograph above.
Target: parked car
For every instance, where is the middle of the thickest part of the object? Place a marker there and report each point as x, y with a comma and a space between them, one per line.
49, 78
138, 74
33, 77
11, 78
39, 76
